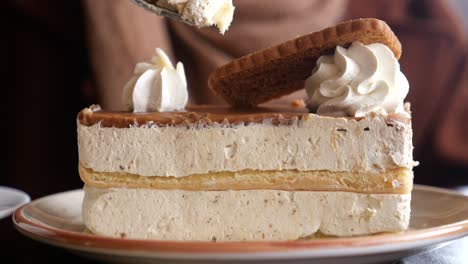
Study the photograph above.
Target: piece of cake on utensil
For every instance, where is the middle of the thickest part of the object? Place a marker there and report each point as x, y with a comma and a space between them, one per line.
201, 13
163, 170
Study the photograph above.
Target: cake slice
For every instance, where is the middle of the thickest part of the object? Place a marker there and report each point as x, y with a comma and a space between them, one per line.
220, 174
340, 167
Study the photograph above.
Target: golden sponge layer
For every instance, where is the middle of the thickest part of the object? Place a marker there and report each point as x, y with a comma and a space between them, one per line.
395, 181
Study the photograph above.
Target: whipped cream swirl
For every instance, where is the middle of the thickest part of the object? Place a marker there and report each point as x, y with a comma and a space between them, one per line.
156, 86
357, 81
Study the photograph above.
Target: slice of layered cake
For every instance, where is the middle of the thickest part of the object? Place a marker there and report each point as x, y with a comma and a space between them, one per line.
165, 171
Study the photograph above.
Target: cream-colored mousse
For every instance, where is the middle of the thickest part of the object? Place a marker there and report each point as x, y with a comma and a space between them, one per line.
373, 144
240, 215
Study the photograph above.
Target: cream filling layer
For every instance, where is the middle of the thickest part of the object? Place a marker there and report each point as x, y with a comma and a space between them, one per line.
240, 215
373, 144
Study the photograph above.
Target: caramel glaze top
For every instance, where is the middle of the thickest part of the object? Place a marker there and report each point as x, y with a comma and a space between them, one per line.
203, 115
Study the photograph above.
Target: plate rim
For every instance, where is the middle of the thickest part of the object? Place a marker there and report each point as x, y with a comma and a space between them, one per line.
390, 242
25, 198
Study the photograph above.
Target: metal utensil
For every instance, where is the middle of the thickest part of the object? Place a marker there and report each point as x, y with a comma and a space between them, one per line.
161, 11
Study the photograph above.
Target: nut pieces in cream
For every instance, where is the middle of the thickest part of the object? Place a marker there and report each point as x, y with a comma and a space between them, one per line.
156, 86
357, 81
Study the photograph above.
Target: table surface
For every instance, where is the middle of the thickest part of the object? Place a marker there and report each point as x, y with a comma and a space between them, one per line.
24, 250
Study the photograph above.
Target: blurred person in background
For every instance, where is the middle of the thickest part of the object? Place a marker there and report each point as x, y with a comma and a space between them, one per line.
61, 56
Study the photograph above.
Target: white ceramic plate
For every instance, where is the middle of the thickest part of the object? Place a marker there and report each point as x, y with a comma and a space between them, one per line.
10, 200
438, 216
